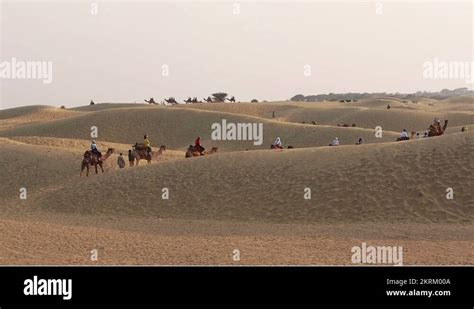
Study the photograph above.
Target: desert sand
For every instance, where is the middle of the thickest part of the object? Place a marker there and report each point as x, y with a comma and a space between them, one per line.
245, 197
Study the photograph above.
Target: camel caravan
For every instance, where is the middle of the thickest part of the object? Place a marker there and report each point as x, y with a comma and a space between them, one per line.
139, 151
172, 101
169, 101
143, 151
435, 129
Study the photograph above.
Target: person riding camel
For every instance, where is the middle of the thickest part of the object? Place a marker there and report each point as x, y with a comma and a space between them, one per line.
277, 143
435, 128
147, 144
335, 142
197, 145
95, 150
404, 135
438, 127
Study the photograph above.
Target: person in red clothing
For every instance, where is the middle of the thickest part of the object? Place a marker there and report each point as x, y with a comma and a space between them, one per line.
197, 145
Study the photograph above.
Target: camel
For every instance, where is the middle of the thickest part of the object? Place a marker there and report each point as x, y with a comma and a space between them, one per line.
193, 152
193, 100
139, 152
213, 150
208, 100
436, 130
151, 101
160, 152
91, 159
171, 100
232, 99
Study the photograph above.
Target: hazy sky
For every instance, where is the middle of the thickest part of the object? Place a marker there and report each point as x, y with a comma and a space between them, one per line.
261, 52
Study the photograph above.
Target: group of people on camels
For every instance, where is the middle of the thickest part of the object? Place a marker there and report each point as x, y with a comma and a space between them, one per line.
171, 101
140, 151
435, 129
189, 100
143, 151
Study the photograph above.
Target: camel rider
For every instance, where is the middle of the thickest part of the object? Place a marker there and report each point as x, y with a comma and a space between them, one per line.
277, 143
404, 134
147, 144
197, 145
435, 128
95, 150
439, 129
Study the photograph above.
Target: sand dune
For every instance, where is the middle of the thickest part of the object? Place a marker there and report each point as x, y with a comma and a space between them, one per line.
15, 117
398, 182
105, 106
391, 193
177, 128
282, 176
52, 243
365, 114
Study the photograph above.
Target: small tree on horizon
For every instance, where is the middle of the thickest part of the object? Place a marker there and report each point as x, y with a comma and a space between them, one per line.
219, 96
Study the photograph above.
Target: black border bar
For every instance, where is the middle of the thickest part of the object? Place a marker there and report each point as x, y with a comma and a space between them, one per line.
239, 285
